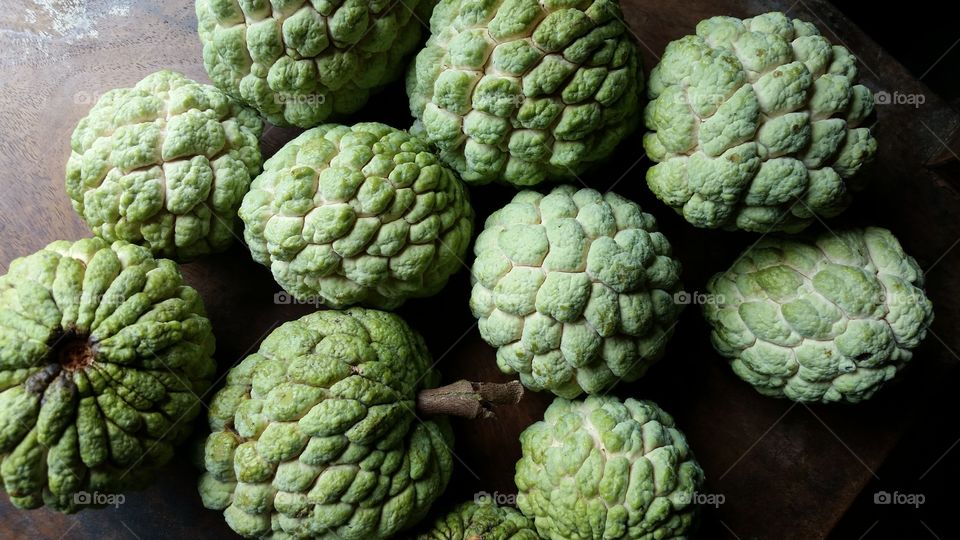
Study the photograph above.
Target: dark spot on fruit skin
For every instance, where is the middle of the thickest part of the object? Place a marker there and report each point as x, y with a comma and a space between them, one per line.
69, 353
39, 381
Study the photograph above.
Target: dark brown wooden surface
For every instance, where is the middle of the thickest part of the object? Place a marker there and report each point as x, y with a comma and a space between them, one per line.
785, 471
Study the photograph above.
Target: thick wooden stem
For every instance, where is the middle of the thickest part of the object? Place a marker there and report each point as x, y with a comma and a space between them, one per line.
468, 399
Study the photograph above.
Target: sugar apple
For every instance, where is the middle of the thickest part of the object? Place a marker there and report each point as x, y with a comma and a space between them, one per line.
103, 354
481, 519
575, 288
164, 165
301, 63
363, 214
606, 469
315, 436
520, 91
757, 124
832, 319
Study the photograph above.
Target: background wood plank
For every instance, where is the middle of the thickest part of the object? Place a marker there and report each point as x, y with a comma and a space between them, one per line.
785, 471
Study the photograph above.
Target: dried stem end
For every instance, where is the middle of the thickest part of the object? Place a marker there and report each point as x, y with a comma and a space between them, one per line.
468, 399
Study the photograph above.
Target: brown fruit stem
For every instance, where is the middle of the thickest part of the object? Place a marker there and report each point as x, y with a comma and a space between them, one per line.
468, 399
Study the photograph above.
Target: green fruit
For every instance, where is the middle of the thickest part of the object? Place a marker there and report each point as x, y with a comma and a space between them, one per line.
301, 63
828, 319
521, 91
164, 165
576, 289
757, 124
103, 354
481, 519
357, 215
606, 469
315, 436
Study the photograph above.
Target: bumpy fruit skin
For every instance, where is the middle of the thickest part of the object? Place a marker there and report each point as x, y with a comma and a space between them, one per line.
302, 63
164, 165
481, 519
606, 469
828, 320
364, 214
103, 354
577, 289
755, 125
520, 91
314, 436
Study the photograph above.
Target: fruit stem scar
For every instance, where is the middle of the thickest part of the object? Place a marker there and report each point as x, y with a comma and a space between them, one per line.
74, 353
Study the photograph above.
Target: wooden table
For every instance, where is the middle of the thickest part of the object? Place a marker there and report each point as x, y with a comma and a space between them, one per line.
785, 471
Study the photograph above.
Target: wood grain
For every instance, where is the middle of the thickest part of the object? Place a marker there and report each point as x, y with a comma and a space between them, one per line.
786, 471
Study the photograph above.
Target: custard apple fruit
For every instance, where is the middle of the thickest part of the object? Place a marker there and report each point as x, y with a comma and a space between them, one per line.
832, 319
103, 354
315, 436
576, 289
520, 91
481, 519
364, 214
164, 165
301, 63
757, 124
606, 469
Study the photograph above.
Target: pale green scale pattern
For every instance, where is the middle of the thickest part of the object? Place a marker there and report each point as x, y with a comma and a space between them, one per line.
481, 519
315, 435
304, 62
829, 319
757, 124
103, 354
524, 91
605, 469
576, 289
358, 215
164, 165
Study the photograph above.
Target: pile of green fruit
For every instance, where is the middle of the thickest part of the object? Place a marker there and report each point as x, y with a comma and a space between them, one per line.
756, 124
